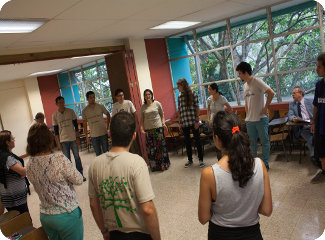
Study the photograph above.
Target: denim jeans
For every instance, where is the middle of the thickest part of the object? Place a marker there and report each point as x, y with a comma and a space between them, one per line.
100, 144
64, 226
66, 146
260, 129
188, 142
308, 136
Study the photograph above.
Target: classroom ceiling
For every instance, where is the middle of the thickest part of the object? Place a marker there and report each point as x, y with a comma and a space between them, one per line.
84, 23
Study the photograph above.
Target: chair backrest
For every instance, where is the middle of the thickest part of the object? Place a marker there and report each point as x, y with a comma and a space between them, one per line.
16, 223
37, 234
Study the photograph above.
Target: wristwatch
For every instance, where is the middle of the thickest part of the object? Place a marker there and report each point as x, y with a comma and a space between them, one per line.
105, 231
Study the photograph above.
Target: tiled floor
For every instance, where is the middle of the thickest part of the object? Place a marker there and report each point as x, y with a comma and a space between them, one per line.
298, 206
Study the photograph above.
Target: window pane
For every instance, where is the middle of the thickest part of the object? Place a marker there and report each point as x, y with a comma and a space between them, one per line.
258, 55
75, 75
63, 79
293, 18
106, 88
185, 68
180, 46
305, 79
72, 107
270, 80
212, 36
249, 27
79, 92
227, 89
90, 71
108, 104
95, 87
67, 94
102, 71
299, 50
216, 66
79, 108
199, 92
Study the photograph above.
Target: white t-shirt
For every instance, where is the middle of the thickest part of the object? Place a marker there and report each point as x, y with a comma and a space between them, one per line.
126, 106
216, 106
254, 97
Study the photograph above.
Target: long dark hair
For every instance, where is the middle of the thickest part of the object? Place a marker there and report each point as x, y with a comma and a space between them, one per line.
4, 138
241, 161
144, 95
214, 86
188, 94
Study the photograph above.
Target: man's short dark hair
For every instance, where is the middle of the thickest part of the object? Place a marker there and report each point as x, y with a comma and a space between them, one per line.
321, 58
39, 115
118, 91
244, 67
89, 93
300, 89
122, 129
58, 99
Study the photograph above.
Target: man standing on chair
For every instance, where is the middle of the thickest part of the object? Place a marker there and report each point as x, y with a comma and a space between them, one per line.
257, 120
93, 115
318, 123
301, 109
66, 132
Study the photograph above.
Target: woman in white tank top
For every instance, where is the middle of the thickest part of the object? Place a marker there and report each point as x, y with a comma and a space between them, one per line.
235, 189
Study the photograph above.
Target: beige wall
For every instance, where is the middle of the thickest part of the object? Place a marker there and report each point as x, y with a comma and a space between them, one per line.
19, 101
141, 62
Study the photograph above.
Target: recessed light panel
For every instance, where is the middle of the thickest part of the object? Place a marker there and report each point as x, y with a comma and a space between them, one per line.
45, 72
175, 25
19, 26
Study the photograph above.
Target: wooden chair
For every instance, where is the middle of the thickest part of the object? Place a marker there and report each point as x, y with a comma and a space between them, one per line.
37, 234
173, 136
15, 224
278, 132
7, 216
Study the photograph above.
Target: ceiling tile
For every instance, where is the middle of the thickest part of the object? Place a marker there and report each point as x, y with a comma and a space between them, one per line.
19, 9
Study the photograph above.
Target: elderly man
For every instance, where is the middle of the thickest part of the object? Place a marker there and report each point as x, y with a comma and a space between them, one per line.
301, 110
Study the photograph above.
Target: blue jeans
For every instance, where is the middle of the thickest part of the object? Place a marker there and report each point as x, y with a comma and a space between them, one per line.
260, 129
100, 144
308, 136
64, 226
66, 146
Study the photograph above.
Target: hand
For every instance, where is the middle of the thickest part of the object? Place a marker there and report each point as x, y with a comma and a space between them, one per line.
60, 146
142, 131
78, 141
106, 236
180, 128
265, 111
312, 129
88, 140
196, 125
295, 119
109, 133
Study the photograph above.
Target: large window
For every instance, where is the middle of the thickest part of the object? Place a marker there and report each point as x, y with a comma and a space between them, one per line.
280, 42
75, 83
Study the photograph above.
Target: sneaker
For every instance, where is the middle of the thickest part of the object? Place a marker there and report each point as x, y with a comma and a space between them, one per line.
188, 164
316, 162
319, 177
202, 164
84, 179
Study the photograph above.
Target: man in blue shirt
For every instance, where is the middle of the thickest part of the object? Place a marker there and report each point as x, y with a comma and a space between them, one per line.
318, 124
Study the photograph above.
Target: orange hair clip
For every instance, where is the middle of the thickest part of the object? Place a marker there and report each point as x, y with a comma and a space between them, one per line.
235, 129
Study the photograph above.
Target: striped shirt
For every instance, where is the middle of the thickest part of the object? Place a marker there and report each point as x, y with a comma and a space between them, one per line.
15, 194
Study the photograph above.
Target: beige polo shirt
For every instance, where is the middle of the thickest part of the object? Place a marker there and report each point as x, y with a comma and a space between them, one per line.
64, 120
121, 181
95, 119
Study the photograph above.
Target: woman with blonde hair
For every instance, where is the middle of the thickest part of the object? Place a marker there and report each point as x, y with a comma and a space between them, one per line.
236, 189
188, 109
53, 177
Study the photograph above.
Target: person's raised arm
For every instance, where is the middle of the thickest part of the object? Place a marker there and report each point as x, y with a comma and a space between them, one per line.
228, 107
205, 196
150, 218
270, 95
19, 169
265, 207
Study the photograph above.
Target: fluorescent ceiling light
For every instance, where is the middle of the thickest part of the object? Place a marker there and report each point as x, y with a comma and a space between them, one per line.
175, 25
19, 26
45, 72
88, 56
3, 2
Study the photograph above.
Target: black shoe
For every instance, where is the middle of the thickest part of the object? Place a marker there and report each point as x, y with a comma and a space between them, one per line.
84, 179
267, 167
316, 162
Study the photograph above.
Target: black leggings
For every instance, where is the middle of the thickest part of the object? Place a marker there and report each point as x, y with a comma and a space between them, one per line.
238, 233
117, 235
21, 208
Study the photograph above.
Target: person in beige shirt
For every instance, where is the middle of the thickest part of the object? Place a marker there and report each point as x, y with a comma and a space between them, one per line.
93, 116
66, 132
120, 191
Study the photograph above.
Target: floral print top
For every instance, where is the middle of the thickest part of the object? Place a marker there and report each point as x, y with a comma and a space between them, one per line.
53, 177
